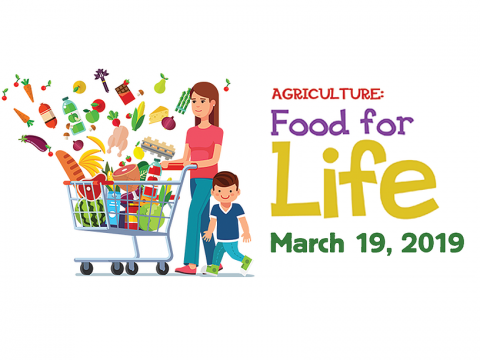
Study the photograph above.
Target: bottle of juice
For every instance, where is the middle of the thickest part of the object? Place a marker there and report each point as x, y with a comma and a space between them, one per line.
153, 174
70, 109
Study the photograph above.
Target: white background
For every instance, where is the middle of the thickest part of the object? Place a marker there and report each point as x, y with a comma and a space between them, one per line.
423, 54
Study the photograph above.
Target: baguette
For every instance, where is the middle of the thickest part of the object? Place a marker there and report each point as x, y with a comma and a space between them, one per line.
70, 166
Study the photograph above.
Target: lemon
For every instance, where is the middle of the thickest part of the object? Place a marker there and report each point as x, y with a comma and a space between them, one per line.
138, 153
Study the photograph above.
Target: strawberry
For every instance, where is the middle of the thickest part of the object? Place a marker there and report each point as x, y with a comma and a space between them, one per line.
128, 158
122, 163
126, 82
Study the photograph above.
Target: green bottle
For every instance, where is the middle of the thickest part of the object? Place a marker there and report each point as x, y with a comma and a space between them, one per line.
70, 109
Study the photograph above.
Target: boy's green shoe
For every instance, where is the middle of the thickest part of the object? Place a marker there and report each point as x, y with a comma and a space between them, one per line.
212, 270
246, 264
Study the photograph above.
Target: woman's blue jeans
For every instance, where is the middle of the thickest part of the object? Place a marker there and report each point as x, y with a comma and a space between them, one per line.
198, 220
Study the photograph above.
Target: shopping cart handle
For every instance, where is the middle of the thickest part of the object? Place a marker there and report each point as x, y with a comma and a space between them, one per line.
94, 183
177, 166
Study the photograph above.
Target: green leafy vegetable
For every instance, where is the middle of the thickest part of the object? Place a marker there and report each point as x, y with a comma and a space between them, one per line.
112, 115
143, 168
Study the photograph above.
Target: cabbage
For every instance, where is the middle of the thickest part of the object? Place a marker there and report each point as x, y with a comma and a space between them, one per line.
146, 210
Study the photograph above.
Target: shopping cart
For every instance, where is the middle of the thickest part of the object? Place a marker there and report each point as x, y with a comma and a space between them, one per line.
145, 209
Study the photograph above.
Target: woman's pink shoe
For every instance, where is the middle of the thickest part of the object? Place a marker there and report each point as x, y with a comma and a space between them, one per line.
186, 270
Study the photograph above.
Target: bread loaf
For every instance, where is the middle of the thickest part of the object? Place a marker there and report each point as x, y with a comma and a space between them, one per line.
70, 166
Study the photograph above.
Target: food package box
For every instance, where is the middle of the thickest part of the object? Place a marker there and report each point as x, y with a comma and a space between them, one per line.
132, 222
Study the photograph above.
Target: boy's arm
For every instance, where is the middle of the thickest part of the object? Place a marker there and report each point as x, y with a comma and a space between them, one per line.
246, 231
211, 227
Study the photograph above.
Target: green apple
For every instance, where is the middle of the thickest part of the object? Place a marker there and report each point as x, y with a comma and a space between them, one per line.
92, 116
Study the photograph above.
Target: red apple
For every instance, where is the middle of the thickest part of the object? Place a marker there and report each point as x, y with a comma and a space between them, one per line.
100, 107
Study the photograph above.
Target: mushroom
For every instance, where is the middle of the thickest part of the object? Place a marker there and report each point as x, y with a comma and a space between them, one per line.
92, 128
66, 135
140, 93
68, 126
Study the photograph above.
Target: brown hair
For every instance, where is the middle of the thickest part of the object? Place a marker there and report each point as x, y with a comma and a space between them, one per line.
225, 179
209, 91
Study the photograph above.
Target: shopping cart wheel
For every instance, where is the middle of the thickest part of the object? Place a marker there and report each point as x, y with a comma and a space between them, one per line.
118, 271
86, 271
160, 271
131, 272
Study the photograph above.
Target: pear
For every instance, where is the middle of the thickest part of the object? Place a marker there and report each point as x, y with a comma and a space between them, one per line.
160, 86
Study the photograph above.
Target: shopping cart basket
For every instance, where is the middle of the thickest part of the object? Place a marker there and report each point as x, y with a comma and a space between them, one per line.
145, 209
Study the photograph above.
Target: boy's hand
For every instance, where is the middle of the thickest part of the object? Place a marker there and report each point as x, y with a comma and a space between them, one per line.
246, 237
207, 236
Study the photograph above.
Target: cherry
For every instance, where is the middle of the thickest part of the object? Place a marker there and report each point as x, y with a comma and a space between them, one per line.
116, 122
4, 98
16, 84
50, 154
225, 88
44, 88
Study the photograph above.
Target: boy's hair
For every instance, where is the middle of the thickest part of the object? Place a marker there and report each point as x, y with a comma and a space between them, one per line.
225, 179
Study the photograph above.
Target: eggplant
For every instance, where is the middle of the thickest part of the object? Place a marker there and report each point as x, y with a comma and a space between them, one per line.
36, 141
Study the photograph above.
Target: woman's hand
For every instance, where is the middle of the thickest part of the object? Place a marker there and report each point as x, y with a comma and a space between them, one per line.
164, 164
186, 163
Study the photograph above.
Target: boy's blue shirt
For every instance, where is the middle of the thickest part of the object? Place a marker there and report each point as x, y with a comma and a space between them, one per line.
227, 222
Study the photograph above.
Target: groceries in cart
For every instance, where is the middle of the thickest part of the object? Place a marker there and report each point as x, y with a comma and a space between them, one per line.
131, 197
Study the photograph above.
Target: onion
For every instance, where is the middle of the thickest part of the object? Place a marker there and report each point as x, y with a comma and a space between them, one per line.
168, 123
78, 145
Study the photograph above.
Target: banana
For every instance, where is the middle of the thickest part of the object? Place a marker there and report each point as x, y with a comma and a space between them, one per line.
98, 142
141, 109
92, 163
93, 157
88, 153
91, 170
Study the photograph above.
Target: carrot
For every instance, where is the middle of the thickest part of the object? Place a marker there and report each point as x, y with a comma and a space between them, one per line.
25, 118
28, 88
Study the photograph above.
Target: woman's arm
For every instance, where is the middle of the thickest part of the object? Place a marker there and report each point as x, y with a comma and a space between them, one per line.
210, 162
186, 157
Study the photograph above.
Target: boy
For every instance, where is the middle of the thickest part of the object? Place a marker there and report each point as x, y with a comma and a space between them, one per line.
225, 190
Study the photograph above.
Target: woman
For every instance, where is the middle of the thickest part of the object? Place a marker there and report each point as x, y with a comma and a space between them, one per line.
202, 147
